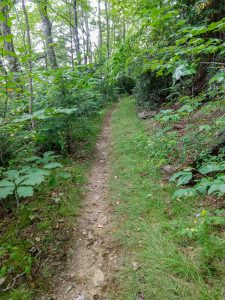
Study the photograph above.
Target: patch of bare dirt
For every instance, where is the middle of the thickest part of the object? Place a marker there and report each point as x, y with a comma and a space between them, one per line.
93, 258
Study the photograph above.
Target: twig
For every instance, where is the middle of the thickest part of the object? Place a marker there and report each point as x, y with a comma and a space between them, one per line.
36, 256
9, 287
212, 62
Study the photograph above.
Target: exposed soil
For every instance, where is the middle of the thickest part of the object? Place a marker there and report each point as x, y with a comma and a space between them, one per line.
93, 259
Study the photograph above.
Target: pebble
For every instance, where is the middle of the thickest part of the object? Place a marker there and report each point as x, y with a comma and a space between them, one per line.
72, 275
69, 289
82, 297
98, 278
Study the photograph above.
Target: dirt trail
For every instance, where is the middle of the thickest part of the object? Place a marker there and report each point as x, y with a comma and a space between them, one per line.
93, 259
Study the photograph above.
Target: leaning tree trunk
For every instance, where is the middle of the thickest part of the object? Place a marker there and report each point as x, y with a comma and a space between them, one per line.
47, 30
31, 100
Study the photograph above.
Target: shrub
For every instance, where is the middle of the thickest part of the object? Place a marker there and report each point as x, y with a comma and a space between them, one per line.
126, 84
152, 90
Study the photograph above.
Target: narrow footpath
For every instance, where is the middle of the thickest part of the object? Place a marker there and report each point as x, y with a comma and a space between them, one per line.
92, 259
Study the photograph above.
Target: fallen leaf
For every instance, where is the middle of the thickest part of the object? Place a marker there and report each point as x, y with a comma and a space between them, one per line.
32, 285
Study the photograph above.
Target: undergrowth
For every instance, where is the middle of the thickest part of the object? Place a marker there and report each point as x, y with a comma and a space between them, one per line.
172, 249
34, 238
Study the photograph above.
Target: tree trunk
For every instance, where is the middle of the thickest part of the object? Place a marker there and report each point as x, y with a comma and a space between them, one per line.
84, 37
107, 29
8, 41
124, 27
47, 30
71, 45
99, 31
87, 40
4, 74
2, 68
31, 100
76, 31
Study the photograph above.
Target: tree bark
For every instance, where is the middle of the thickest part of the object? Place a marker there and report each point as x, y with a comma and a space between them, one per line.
89, 54
76, 32
84, 37
8, 41
124, 28
99, 32
47, 30
107, 30
31, 98
71, 46
2, 68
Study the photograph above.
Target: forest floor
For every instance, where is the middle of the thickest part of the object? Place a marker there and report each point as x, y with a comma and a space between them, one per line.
93, 256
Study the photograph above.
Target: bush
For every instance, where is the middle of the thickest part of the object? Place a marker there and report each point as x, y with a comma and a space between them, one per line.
152, 90
126, 84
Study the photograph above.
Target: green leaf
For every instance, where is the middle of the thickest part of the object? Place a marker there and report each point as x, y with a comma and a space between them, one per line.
12, 174
218, 188
33, 179
183, 193
53, 165
182, 177
20, 180
25, 191
64, 175
32, 159
205, 128
203, 185
6, 183
210, 168
40, 172
6, 191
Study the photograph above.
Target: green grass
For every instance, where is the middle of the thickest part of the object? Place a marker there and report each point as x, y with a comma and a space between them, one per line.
171, 265
43, 226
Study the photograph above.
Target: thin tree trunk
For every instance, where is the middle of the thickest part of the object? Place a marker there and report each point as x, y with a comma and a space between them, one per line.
76, 31
99, 31
107, 29
71, 46
114, 34
124, 27
5, 74
31, 100
2, 68
89, 54
47, 30
84, 37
